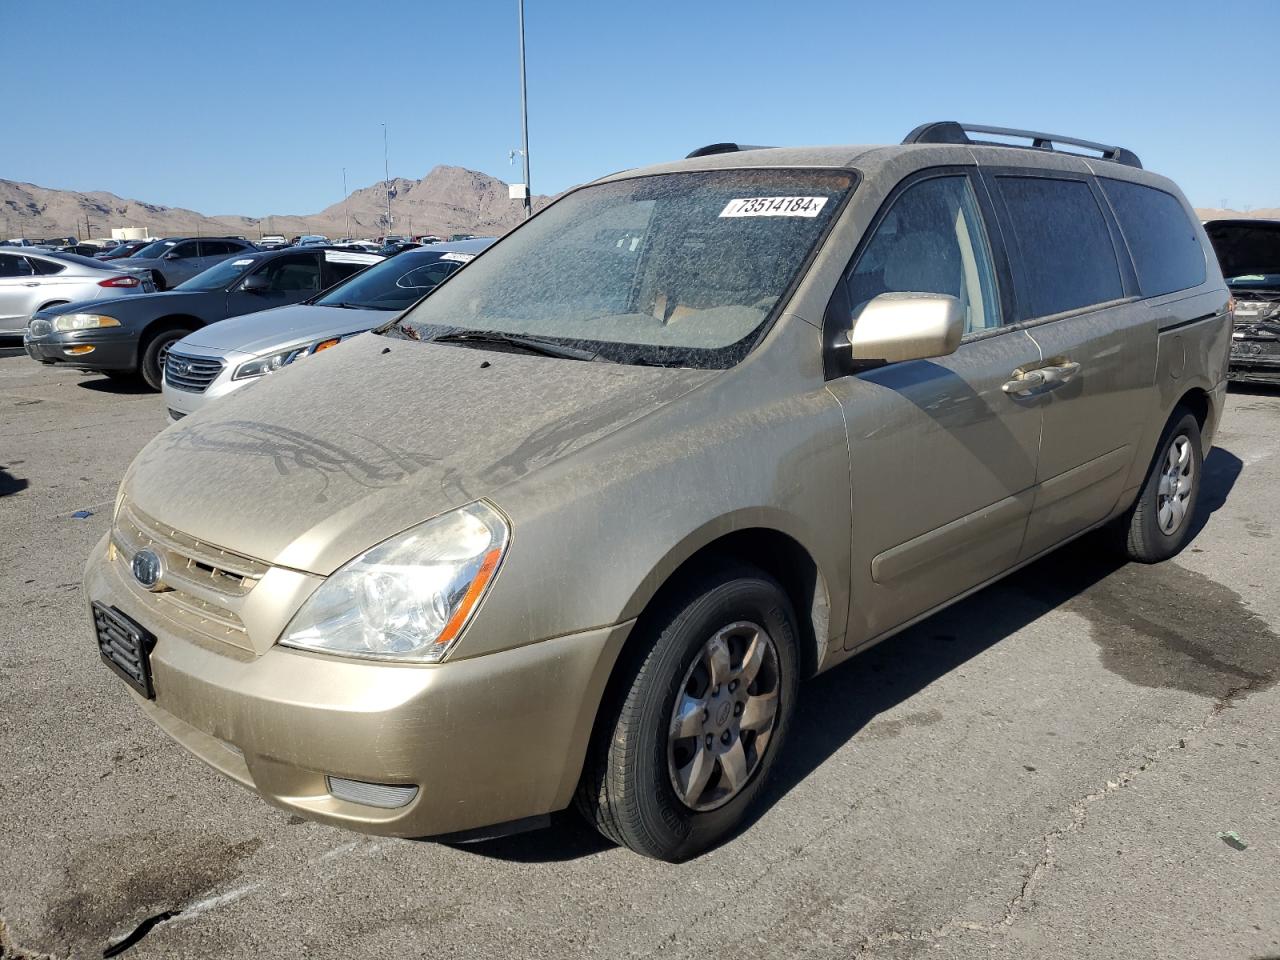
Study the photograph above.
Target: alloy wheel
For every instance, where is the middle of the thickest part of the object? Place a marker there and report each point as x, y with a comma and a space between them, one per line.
724, 716
1174, 493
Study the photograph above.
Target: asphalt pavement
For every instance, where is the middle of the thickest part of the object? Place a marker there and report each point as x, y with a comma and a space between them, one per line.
1083, 760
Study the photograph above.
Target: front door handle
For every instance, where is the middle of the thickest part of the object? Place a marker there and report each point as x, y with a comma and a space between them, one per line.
34, 283
1048, 377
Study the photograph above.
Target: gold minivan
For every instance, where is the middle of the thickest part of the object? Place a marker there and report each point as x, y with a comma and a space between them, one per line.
573, 527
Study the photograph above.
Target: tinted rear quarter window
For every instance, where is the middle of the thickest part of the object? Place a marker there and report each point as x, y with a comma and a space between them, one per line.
1065, 251
1162, 239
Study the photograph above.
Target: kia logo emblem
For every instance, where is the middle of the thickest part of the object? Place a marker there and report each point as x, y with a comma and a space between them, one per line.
147, 569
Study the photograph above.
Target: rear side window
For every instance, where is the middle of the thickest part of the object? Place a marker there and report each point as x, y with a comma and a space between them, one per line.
46, 268
14, 266
1160, 235
1065, 249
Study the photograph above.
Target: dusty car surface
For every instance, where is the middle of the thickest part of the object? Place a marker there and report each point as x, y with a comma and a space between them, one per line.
574, 527
1249, 254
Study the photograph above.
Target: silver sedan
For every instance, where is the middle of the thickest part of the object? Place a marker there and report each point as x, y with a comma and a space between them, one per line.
32, 279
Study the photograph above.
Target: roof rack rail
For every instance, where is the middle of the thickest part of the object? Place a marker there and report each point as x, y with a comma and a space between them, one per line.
949, 131
712, 149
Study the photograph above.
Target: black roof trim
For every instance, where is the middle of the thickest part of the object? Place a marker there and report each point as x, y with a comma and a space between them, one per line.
712, 149
949, 131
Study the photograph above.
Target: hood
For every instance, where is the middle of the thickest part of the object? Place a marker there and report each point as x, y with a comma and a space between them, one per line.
314, 464
124, 308
1245, 247
271, 330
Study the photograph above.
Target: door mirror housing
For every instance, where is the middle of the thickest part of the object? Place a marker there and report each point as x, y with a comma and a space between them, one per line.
254, 283
906, 326
171, 255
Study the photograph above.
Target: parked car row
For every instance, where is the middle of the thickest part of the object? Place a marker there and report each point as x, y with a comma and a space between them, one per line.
133, 338
34, 279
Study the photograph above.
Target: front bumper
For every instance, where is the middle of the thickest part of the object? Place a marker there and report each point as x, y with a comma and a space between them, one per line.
110, 351
181, 402
485, 740
1255, 353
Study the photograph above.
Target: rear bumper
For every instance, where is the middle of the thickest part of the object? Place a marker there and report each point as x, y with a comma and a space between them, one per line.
485, 740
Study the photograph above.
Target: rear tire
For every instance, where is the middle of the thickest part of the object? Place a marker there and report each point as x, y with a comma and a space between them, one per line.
151, 368
1159, 523
696, 718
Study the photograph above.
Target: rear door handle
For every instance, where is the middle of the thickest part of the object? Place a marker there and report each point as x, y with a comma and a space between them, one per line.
1047, 377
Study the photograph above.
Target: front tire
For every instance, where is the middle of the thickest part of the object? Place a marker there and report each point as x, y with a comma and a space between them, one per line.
1160, 522
152, 366
697, 717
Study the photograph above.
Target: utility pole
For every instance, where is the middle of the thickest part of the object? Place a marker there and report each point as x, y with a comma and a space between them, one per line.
386, 179
524, 120
346, 205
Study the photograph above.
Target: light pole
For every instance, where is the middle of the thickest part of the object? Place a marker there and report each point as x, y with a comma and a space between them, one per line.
386, 178
524, 120
346, 205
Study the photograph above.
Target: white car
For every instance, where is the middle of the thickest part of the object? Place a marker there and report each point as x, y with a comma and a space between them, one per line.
225, 356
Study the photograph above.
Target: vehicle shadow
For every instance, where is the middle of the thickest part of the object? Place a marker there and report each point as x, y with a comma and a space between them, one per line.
124, 386
835, 706
11, 484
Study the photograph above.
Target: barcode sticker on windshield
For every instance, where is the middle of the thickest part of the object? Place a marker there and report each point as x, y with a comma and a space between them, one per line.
458, 257
774, 207
242, 263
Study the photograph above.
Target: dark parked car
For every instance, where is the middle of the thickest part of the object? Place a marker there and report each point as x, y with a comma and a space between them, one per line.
136, 341
398, 246
79, 249
1249, 254
126, 249
174, 260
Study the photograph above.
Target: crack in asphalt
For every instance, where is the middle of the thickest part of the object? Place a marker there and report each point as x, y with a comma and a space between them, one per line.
1079, 809
1079, 815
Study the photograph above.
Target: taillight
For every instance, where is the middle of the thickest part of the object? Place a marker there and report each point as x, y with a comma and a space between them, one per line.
120, 282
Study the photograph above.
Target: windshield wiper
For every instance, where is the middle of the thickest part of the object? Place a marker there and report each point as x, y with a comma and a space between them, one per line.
345, 306
536, 345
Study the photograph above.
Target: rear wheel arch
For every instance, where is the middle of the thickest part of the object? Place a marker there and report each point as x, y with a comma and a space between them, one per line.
1196, 401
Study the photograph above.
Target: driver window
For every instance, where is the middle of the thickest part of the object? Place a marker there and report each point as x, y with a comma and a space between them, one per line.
292, 274
931, 241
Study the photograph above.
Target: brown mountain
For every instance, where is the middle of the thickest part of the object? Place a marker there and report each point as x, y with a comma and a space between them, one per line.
447, 200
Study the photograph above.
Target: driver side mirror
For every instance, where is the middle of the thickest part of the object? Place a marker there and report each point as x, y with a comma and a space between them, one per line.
906, 326
255, 283
171, 255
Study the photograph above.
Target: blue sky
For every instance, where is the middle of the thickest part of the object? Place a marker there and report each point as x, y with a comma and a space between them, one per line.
255, 107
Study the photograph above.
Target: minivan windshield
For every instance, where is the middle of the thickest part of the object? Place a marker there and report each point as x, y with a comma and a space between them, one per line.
219, 276
681, 269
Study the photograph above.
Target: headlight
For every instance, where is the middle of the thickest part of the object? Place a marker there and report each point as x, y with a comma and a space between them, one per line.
82, 321
269, 364
410, 597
